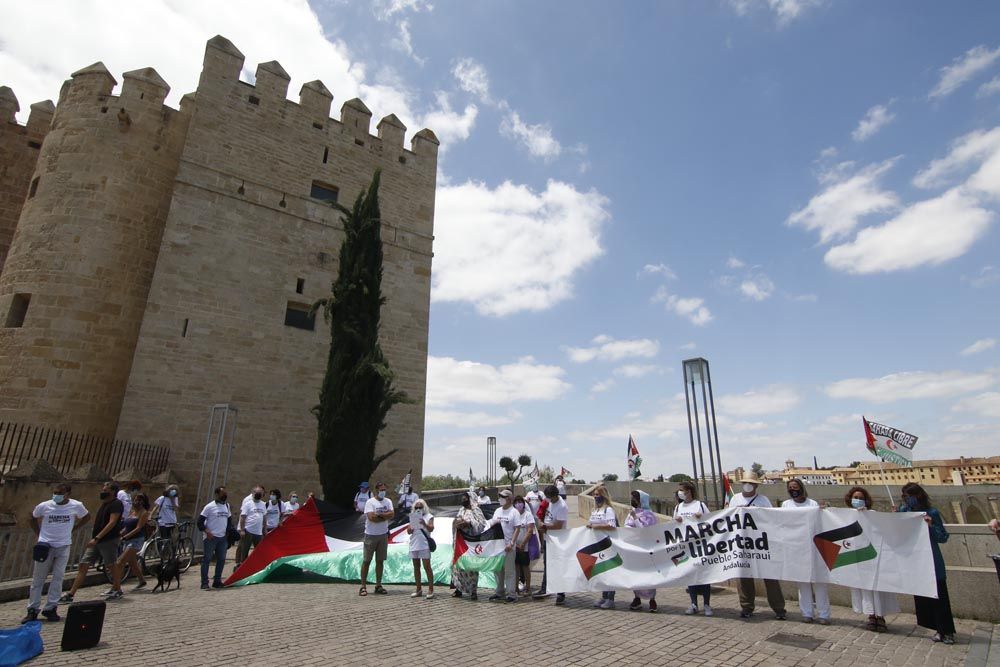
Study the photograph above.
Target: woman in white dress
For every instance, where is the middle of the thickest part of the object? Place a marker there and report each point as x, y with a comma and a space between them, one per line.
809, 593
874, 604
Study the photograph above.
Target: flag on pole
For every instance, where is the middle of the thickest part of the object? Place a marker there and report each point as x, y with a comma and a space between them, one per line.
889, 444
404, 486
565, 472
726, 488
634, 460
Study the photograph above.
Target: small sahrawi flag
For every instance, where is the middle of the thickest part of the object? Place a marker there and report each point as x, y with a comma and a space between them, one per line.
563, 472
597, 558
844, 546
479, 553
889, 444
634, 460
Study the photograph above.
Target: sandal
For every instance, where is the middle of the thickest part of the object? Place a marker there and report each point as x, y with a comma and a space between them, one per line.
363, 592
381, 591
872, 624
417, 594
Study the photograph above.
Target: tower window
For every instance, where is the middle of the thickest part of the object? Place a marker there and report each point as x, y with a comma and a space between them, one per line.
300, 285
297, 315
33, 188
253, 99
18, 311
184, 330
326, 154
323, 192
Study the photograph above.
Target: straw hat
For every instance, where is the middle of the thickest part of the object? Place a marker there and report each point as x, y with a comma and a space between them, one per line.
750, 478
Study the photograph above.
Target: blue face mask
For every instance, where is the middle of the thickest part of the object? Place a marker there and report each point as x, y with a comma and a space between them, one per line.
58, 497
381, 495
599, 500
912, 502
858, 503
173, 492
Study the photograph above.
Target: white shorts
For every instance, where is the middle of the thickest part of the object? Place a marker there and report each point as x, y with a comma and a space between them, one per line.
423, 554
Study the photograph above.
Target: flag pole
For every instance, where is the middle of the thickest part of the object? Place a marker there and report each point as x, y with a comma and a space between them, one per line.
892, 501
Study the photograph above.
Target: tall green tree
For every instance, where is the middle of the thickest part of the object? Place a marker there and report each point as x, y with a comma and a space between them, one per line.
358, 388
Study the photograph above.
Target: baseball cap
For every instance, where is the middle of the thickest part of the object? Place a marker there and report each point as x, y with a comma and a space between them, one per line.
506, 493
364, 485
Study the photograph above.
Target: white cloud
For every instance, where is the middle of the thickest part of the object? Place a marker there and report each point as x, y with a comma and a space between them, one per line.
690, 308
509, 249
928, 232
988, 275
659, 269
602, 386
785, 11
386, 9
605, 348
537, 139
985, 405
964, 68
764, 401
980, 346
450, 382
757, 287
404, 42
910, 385
991, 87
840, 207
687, 346
459, 419
472, 78
636, 370
284, 30
734, 263
981, 149
875, 119
450, 126
828, 153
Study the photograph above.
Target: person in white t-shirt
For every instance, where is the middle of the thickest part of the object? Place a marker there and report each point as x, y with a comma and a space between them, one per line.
407, 500
690, 508
556, 518
798, 498
292, 506
534, 498
506, 516
251, 524
482, 498
165, 511
747, 591
420, 548
378, 513
214, 521
273, 510
603, 519
561, 485
361, 497
53, 522
525, 523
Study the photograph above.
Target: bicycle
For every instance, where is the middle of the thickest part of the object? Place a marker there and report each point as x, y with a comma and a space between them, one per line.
179, 543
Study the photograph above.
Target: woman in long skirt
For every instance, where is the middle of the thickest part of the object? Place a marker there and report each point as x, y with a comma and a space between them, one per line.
471, 520
640, 515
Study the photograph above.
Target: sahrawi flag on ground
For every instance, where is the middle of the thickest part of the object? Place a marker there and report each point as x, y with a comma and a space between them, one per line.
480, 553
889, 444
634, 460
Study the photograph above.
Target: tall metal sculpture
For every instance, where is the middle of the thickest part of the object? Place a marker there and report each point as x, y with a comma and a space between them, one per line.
697, 372
491, 461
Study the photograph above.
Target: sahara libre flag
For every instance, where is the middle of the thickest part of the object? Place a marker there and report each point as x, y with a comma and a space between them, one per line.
889, 444
844, 546
634, 460
597, 558
480, 553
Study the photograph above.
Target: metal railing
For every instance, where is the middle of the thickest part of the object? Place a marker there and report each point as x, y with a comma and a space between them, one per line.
65, 451
15, 551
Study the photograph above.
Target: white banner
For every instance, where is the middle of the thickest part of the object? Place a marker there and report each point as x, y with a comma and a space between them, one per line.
862, 549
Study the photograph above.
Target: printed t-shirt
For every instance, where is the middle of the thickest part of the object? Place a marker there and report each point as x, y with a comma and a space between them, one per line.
253, 511
56, 521
689, 509
217, 518
377, 527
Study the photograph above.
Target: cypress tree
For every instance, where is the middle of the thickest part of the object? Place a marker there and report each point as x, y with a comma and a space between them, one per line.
358, 389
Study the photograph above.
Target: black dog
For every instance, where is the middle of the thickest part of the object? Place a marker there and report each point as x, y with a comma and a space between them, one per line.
166, 571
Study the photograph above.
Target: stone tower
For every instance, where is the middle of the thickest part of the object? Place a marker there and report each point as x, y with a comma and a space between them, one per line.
167, 260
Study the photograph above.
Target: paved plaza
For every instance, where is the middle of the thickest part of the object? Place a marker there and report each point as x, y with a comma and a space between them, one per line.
319, 623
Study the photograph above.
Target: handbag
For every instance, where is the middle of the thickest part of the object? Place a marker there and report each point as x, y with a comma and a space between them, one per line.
431, 544
40, 553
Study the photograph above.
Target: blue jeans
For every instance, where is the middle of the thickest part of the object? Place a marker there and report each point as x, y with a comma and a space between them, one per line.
214, 547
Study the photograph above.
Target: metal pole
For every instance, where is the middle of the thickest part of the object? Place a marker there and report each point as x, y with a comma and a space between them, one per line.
204, 456
687, 403
715, 430
232, 445
697, 428
892, 501
218, 449
711, 456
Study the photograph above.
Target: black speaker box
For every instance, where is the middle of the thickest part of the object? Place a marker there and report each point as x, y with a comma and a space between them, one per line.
83, 625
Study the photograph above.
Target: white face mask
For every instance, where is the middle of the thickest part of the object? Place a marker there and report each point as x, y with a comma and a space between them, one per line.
681, 496
749, 488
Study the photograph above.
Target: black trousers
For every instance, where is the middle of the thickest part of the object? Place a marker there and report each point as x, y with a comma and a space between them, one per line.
936, 614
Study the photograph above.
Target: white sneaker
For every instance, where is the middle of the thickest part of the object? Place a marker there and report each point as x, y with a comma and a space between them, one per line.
693, 609
607, 604
599, 603
708, 611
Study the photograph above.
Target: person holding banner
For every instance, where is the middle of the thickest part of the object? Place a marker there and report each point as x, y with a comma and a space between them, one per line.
556, 517
470, 519
689, 507
747, 588
934, 614
603, 518
640, 515
799, 499
506, 589
525, 522
875, 604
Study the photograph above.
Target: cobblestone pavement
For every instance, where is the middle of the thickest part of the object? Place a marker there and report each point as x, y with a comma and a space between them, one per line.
319, 623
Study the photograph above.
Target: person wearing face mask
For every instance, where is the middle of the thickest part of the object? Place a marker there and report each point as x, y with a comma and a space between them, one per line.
165, 511
214, 521
874, 604
362, 497
133, 535
690, 508
251, 524
639, 516
292, 506
420, 548
125, 495
53, 522
603, 519
799, 499
534, 498
747, 590
556, 517
525, 522
932, 613
481, 498
506, 516
103, 546
273, 511
378, 513
470, 519
407, 499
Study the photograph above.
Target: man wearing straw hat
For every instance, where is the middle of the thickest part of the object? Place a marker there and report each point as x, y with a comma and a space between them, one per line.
747, 589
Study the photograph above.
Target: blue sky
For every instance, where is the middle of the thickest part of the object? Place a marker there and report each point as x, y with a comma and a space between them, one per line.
805, 192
